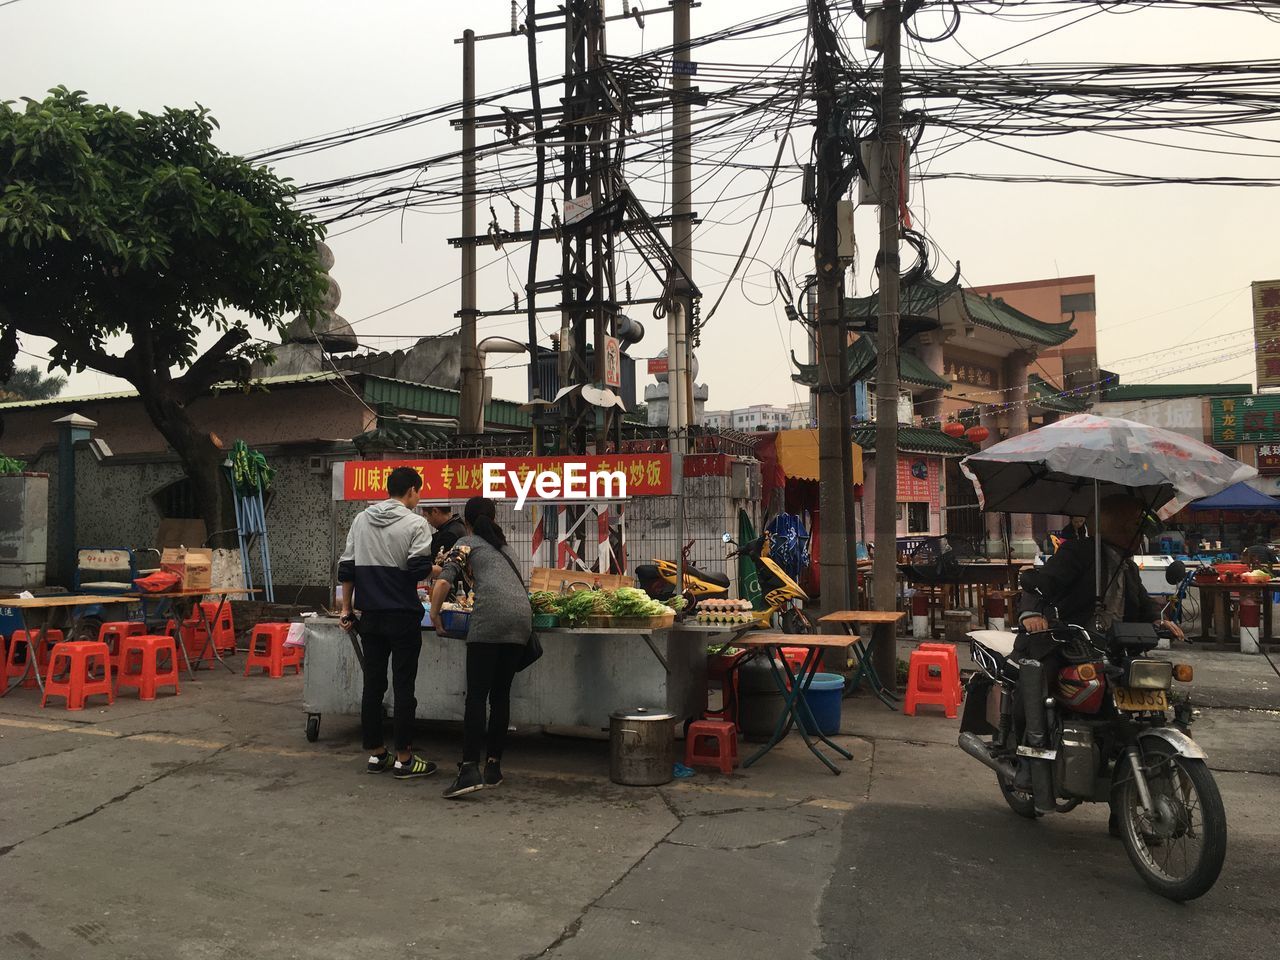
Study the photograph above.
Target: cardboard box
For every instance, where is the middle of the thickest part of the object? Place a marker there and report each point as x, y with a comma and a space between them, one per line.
193, 564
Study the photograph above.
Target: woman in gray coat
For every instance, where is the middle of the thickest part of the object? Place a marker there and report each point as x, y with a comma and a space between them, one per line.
496, 637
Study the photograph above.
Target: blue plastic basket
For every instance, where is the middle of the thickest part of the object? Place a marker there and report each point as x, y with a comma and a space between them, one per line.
455, 623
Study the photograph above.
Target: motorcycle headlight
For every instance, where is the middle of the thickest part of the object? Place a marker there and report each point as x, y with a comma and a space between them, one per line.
1150, 675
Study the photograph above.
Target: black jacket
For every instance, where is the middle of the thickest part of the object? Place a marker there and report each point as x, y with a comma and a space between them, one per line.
1066, 582
444, 538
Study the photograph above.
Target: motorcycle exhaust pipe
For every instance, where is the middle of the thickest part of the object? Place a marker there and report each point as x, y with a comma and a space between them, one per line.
972, 744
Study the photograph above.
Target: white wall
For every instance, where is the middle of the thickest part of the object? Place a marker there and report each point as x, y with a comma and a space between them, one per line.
1184, 415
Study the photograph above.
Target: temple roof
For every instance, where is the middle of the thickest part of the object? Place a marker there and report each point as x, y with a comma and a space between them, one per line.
915, 440
930, 297
1042, 393
862, 366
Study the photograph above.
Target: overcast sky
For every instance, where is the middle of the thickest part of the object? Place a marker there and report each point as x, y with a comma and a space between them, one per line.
1173, 262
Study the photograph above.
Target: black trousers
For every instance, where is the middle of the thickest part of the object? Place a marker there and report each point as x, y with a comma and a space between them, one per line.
394, 638
491, 667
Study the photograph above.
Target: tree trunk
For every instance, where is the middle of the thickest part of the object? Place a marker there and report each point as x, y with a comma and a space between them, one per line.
202, 460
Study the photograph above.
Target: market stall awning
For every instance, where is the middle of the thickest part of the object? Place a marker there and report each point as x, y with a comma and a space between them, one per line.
1238, 496
798, 455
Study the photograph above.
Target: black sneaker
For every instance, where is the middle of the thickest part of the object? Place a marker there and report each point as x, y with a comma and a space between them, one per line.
493, 773
414, 767
380, 762
469, 781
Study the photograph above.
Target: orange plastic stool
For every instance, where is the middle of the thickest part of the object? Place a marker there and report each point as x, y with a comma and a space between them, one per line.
224, 630
924, 687
196, 639
950, 650
112, 633
83, 658
724, 670
38, 646
139, 665
711, 743
274, 655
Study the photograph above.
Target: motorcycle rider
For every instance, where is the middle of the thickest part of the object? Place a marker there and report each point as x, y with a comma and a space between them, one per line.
1064, 590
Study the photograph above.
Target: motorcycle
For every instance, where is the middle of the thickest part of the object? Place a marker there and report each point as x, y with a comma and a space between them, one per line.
1107, 738
781, 594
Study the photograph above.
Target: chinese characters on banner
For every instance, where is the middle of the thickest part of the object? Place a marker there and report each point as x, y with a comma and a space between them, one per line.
647, 474
1266, 331
919, 480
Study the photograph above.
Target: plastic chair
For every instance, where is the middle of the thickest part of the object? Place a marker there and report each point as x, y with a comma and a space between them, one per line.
140, 665
950, 650
38, 646
711, 743
112, 633
274, 655
724, 669
932, 678
82, 658
224, 630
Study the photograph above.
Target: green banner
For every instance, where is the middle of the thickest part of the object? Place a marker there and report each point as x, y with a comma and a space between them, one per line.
1254, 419
748, 578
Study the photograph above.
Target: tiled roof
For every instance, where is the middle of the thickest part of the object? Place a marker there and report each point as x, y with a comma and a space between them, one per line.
862, 366
915, 440
1171, 391
926, 296
1045, 394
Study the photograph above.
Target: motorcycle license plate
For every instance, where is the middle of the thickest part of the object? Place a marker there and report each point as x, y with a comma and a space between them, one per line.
1133, 700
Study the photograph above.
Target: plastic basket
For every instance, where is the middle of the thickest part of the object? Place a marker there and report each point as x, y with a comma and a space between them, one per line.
545, 621
455, 623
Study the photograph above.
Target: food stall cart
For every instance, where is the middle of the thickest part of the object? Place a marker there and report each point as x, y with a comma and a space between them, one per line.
584, 675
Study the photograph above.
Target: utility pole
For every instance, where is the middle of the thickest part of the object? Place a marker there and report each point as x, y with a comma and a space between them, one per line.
471, 419
833, 375
885, 570
679, 376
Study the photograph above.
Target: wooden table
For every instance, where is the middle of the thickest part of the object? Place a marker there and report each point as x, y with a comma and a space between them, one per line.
56, 603
882, 623
1213, 608
793, 686
177, 599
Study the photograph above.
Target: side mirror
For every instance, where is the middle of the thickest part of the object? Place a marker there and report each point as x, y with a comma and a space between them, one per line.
726, 538
1175, 572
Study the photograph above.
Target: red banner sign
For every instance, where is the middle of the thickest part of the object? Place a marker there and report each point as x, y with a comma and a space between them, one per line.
648, 475
919, 480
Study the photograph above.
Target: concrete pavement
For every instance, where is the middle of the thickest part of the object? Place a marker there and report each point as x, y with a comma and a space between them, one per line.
205, 826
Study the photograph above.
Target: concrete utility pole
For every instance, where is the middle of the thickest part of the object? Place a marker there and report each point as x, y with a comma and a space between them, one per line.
885, 570
833, 373
471, 419
679, 358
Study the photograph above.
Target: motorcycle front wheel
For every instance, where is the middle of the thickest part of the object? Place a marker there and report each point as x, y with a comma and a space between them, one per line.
795, 620
1179, 851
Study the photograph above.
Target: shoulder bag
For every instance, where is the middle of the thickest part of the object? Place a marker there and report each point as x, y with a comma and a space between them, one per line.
533, 646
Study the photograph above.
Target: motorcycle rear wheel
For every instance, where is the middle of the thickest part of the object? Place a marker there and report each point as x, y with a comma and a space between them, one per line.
795, 620
1019, 801
1192, 835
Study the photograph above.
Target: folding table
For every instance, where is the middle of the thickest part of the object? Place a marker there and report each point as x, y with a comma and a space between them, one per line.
793, 686
184, 603
54, 603
881, 622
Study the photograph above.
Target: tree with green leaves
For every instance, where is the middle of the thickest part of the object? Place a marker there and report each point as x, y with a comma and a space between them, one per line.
125, 237
28, 383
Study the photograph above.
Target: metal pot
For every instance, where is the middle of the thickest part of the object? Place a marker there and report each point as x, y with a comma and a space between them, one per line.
641, 747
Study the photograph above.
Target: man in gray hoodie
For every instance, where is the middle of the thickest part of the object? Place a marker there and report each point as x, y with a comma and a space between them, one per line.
386, 557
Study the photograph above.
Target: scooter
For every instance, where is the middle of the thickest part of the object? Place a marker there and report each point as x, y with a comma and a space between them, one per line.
658, 579
782, 595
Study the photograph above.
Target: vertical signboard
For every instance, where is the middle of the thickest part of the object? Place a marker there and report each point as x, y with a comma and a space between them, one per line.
1266, 331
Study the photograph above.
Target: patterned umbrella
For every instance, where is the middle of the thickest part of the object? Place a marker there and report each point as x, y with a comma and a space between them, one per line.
1068, 466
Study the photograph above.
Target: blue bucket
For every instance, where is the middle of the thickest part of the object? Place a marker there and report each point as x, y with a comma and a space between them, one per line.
824, 698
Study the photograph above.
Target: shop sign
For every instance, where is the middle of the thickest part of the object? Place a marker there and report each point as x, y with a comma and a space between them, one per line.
1253, 419
519, 478
612, 362
919, 480
1266, 331
1269, 459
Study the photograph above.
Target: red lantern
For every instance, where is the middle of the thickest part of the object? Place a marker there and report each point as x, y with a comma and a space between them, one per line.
953, 429
977, 434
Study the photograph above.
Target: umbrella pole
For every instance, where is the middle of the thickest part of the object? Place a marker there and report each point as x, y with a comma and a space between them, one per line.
1097, 548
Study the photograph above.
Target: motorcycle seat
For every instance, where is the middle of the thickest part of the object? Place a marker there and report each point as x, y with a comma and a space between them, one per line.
993, 649
718, 579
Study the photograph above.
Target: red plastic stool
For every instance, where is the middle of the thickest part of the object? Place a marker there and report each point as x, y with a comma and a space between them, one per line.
112, 633
196, 640
926, 687
83, 659
38, 646
698, 749
139, 665
723, 669
224, 629
950, 650
274, 655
